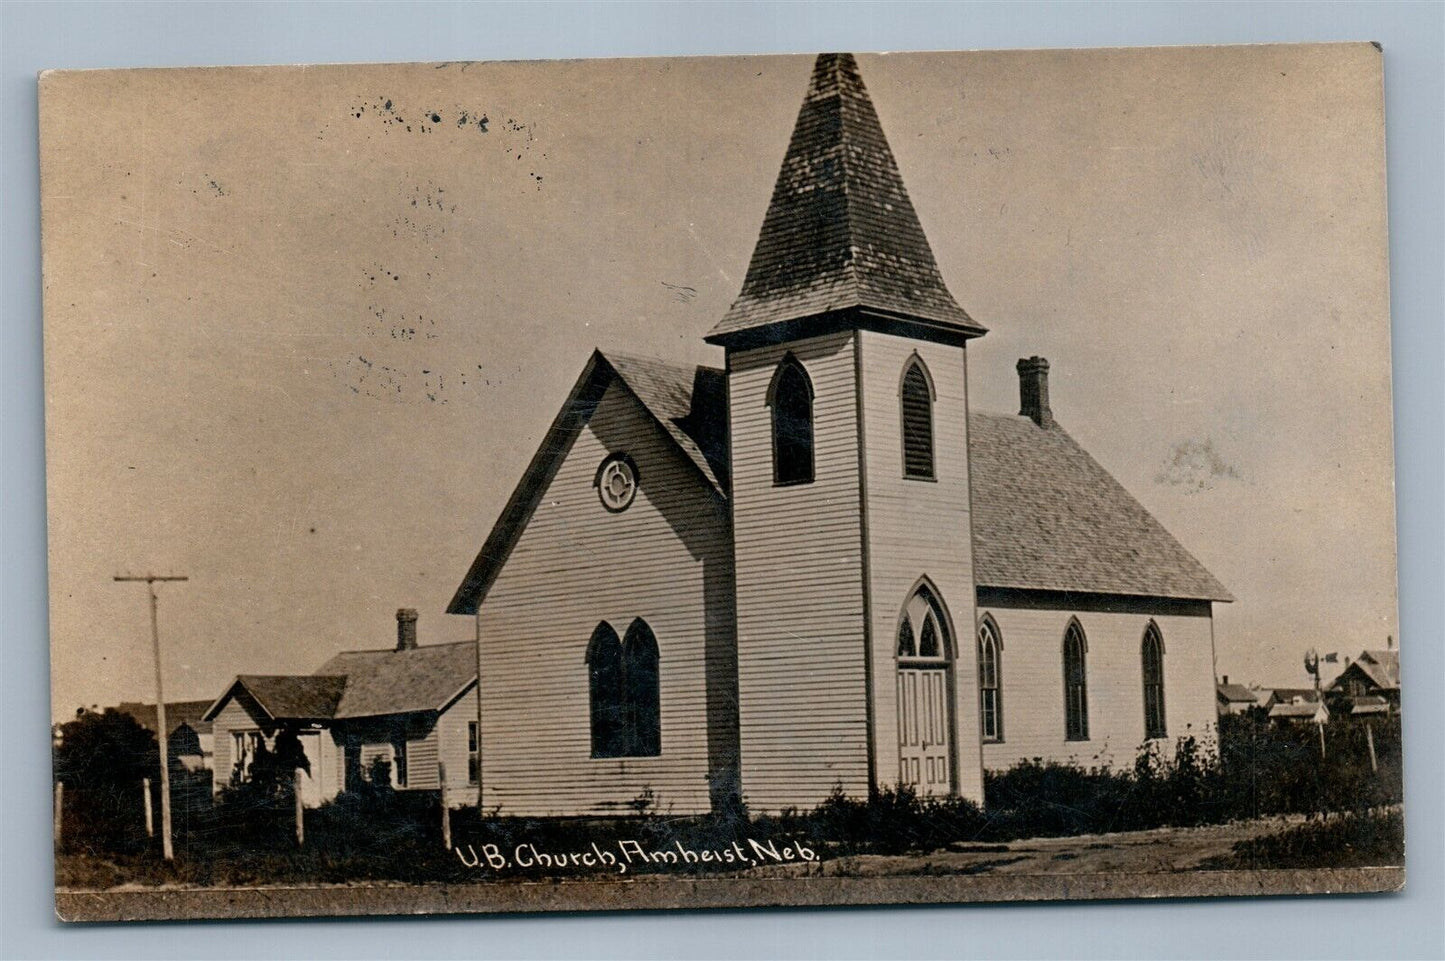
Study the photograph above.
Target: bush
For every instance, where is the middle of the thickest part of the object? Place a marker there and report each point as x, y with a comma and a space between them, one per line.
102, 760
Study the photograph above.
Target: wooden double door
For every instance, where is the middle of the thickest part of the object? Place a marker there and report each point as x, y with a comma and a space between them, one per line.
925, 756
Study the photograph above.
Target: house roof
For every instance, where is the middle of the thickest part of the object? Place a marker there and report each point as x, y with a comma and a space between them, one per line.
1278, 694
1048, 516
287, 697
840, 231
190, 713
1236, 694
1369, 704
425, 678
1297, 710
356, 684
1383, 667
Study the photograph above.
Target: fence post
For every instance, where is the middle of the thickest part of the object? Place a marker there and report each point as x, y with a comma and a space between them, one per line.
1370, 740
1322, 740
300, 808
446, 807
59, 809
145, 790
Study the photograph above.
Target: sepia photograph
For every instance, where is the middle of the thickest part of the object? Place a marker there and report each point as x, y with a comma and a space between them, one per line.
828, 479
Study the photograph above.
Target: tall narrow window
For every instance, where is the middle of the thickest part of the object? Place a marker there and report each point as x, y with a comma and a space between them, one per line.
605, 689
791, 398
474, 754
990, 689
398, 753
1152, 655
916, 396
1076, 684
639, 657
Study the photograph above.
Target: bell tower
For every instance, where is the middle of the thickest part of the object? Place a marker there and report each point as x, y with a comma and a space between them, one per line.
847, 379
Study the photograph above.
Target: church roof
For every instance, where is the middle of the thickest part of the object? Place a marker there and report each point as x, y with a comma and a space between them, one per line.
1046, 515
840, 232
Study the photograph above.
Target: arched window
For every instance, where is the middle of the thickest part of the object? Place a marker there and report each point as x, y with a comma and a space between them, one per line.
791, 398
639, 658
605, 690
906, 645
1152, 655
990, 687
916, 398
1076, 684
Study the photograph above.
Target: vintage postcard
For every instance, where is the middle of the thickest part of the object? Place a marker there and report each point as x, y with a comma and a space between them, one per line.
819, 479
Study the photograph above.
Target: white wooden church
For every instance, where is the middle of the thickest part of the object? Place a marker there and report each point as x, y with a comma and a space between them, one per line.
816, 567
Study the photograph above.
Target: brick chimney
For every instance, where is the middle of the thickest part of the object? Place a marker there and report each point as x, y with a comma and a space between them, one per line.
406, 629
1034, 390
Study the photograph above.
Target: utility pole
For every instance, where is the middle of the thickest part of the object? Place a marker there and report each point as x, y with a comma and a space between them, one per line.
163, 735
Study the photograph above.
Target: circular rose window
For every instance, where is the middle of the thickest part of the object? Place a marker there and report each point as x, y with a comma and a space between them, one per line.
617, 482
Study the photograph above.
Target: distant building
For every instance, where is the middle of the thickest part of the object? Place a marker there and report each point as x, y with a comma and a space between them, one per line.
1300, 711
1234, 698
192, 742
1371, 678
411, 707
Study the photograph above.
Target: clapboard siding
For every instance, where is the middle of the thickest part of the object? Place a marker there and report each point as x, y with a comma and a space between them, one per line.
1033, 685
917, 529
421, 762
234, 716
451, 731
664, 559
798, 555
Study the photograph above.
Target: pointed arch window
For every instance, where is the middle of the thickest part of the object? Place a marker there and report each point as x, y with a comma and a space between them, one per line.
639, 660
624, 692
791, 398
916, 400
990, 686
605, 690
1076, 684
1152, 656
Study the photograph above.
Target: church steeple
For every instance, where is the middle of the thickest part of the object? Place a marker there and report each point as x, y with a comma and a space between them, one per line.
841, 243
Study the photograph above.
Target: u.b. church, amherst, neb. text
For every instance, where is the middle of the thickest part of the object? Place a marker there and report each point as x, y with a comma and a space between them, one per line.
813, 569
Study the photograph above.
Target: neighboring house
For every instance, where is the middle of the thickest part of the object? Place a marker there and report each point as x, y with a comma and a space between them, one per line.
1300, 711
1271, 696
815, 568
1234, 698
191, 742
412, 707
1374, 674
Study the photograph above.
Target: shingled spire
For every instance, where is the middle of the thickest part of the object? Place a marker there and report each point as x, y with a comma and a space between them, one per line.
841, 242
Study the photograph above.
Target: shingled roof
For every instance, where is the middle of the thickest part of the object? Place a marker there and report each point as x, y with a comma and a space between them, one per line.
287, 697
362, 684
1047, 516
425, 678
840, 232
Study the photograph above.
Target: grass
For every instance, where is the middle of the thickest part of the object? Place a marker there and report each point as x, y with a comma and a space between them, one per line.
1354, 840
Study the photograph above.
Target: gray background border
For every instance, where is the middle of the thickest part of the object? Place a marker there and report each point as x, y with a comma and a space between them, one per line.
34, 36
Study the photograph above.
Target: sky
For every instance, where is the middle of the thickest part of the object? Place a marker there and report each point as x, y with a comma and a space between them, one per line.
304, 327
